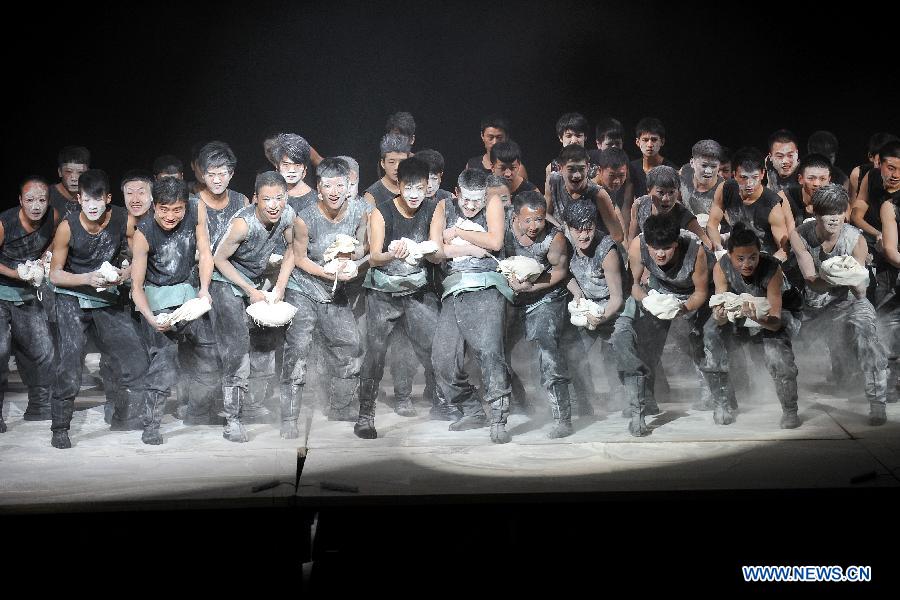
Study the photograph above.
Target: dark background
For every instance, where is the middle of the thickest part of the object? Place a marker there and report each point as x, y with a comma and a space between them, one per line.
133, 81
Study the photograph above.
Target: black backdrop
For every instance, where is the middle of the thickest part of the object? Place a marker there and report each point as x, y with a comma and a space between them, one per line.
133, 81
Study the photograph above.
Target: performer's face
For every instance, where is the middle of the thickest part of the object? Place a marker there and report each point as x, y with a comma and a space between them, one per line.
890, 173
291, 171
744, 259
34, 200
748, 181
531, 221
812, 178
93, 207
413, 193
784, 157
333, 192
217, 179
725, 170
490, 136
471, 202
832, 223
650, 143
69, 173
572, 137
575, 174
168, 216
583, 235
613, 178
609, 142
705, 169
434, 184
137, 197
390, 162
663, 256
664, 197
270, 202
506, 170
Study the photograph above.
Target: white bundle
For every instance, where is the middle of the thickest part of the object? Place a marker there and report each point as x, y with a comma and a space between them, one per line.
342, 244
48, 256
109, 273
271, 313
522, 268
843, 270
415, 249
275, 259
31, 271
720, 253
580, 309
734, 303
342, 266
465, 225
702, 219
190, 310
662, 306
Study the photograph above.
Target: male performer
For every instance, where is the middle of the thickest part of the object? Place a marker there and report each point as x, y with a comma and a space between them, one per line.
890, 215
814, 172
826, 143
394, 148
168, 165
650, 137
663, 198
289, 154
856, 175
494, 129
72, 162
506, 158
782, 161
700, 177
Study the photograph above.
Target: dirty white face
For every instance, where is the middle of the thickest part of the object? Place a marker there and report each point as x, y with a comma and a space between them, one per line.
831, 223
613, 178
812, 178
572, 137
270, 202
69, 173
575, 175
434, 184
663, 256
168, 216
890, 173
583, 235
413, 194
705, 170
93, 207
34, 200
784, 157
291, 171
138, 197
471, 202
217, 179
748, 181
531, 221
333, 192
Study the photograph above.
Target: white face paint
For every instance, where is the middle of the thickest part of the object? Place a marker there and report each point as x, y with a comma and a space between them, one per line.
748, 181
93, 208
217, 179
832, 223
434, 184
705, 169
34, 200
784, 157
291, 171
333, 192
137, 197
414, 193
471, 201
270, 202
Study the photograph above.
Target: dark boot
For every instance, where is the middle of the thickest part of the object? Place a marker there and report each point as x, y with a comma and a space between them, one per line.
155, 407
291, 398
129, 411
473, 416
636, 392
718, 387
876, 392
365, 424
61, 416
38, 408
893, 382
234, 430
343, 395
254, 409
499, 415
441, 410
786, 390
561, 410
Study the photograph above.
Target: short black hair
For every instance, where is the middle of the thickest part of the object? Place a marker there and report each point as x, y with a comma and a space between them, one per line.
32, 179
434, 159
742, 235
890, 150
572, 153
581, 214
169, 190
748, 159
822, 142
495, 121
880, 139
402, 123
94, 183
782, 136
661, 231
214, 155
136, 175
609, 128
612, 158
663, 176
831, 199
532, 199
506, 152
473, 179
78, 155
412, 170
167, 164
811, 161
572, 121
650, 125
269, 178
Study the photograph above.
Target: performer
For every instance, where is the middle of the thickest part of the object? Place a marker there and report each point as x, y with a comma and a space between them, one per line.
289, 154
663, 198
72, 162
782, 161
700, 177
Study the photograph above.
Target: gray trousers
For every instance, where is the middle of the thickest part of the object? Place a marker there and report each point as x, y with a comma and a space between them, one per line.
26, 326
853, 322
719, 342
413, 314
543, 324
474, 320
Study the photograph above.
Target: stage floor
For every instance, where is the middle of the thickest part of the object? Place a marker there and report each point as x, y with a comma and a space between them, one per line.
416, 457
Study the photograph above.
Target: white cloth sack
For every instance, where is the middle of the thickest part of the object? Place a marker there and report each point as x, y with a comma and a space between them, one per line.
32, 271
733, 303
662, 306
580, 309
843, 270
522, 268
416, 249
271, 313
109, 273
342, 244
190, 310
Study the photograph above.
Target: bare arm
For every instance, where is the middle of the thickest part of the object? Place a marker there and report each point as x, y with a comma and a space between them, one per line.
237, 233
559, 268
860, 206
575, 289
140, 250
779, 232
61, 278
205, 252
772, 321
377, 257
492, 239
613, 273
721, 285
788, 213
694, 227
436, 234
637, 269
301, 258
4, 270
314, 157
716, 212
854, 184
889, 233
633, 223
627, 203
608, 213
700, 278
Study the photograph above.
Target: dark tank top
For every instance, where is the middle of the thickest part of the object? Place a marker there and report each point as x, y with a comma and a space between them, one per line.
217, 220
171, 254
755, 216
397, 226
678, 278
19, 245
380, 192
469, 264
251, 258
63, 206
88, 252
538, 251
588, 270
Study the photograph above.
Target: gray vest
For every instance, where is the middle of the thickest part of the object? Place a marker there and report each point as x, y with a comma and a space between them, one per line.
171, 254
678, 278
538, 251
251, 258
697, 202
588, 270
217, 220
845, 245
759, 282
469, 264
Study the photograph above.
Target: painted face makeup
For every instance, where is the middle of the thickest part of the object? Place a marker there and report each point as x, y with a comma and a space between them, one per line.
813, 178
650, 144
333, 192
705, 170
69, 173
34, 200
168, 216
270, 202
434, 184
575, 174
663, 256
414, 194
531, 221
571, 137
472, 201
784, 157
291, 171
93, 208
748, 182
137, 197
217, 179
583, 236
832, 223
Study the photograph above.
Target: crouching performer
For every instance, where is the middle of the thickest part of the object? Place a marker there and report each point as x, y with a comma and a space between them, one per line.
86, 246
677, 287
398, 291
329, 237
241, 258
164, 250
737, 321
469, 230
